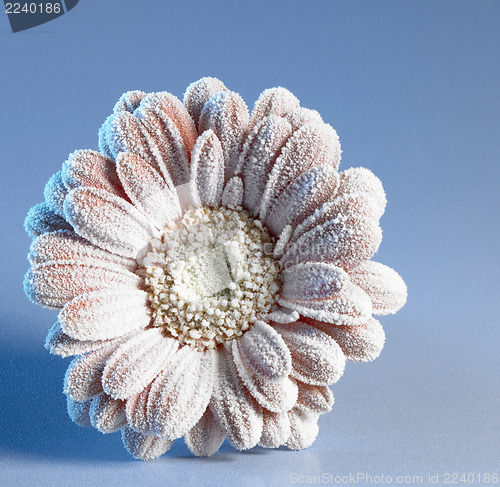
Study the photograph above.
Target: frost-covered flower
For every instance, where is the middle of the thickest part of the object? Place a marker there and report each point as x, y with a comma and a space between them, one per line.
212, 270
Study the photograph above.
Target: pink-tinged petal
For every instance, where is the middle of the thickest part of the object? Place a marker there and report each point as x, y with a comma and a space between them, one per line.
107, 414
129, 101
147, 190
198, 93
207, 169
303, 429
301, 198
359, 180
349, 306
300, 116
106, 314
206, 436
275, 430
68, 245
61, 344
316, 357
273, 101
263, 350
79, 411
314, 399
54, 192
83, 377
136, 411
136, 363
361, 343
384, 286
144, 447
41, 219
312, 280
108, 221
233, 193
258, 157
312, 145
88, 168
227, 115
282, 315
232, 404
181, 392
54, 283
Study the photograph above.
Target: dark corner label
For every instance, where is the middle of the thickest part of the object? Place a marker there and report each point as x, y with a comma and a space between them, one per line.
27, 14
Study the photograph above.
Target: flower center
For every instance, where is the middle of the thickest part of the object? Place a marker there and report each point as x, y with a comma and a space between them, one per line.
211, 276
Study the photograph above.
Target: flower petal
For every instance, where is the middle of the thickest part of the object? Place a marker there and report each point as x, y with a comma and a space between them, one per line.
79, 411
107, 414
233, 405
263, 350
107, 221
198, 93
383, 285
227, 115
54, 283
181, 393
233, 193
55, 191
300, 116
314, 399
147, 190
41, 219
316, 358
144, 447
136, 411
206, 437
136, 363
303, 429
275, 429
129, 101
106, 314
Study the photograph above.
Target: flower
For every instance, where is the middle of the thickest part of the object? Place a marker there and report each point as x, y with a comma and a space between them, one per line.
212, 270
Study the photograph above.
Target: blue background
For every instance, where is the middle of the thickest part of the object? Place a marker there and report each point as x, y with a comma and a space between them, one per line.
413, 90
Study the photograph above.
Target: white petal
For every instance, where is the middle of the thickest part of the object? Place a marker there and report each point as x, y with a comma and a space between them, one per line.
41, 219
55, 191
233, 193
300, 116
273, 101
136, 411
233, 405
108, 221
107, 414
129, 101
136, 363
303, 429
144, 447
79, 411
206, 437
314, 399
275, 430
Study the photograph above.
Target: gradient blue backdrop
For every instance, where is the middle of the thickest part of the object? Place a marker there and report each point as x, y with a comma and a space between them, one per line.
412, 88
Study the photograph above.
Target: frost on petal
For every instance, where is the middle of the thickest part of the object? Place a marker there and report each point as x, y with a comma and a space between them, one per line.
258, 156
108, 221
273, 101
361, 343
300, 116
41, 219
316, 357
181, 392
206, 436
275, 429
68, 245
107, 414
227, 115
55, 191
106, 314
233, 193
54, 283
314, 399
312, 145
359, 180
198, 93
233, 405
88, 168
129, 101
79, 411
207, 169
263, 350
136, 411
384, 286
144, 447
301, 198
136, 363
312, 280
303, 429
147, 190
59, 343
83, 376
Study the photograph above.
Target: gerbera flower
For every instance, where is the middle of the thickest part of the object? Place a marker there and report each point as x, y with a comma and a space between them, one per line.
212, 270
